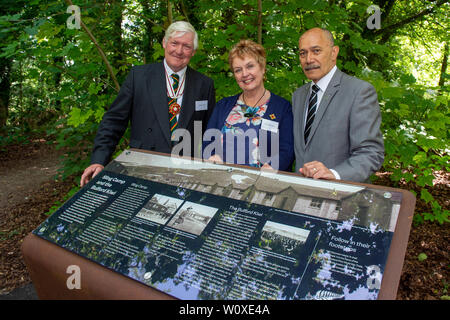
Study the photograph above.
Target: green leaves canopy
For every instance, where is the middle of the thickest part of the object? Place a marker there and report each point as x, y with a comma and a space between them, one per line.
57, 71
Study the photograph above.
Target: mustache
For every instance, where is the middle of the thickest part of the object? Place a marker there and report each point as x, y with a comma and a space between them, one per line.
311, 67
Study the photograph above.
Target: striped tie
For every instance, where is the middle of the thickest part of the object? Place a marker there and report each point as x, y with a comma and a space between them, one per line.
312, 106
173, 117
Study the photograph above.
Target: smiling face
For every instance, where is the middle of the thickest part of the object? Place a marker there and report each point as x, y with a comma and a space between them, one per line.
249, 74
317, 54
178, 50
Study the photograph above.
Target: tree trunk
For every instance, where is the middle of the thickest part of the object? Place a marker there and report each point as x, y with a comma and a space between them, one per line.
147, 46
444, 66
5, 87
57, 80
260, 21
6, 63
169, 13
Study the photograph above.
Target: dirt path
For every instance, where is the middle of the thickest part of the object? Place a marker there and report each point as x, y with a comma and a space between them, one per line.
27, 190
23, 171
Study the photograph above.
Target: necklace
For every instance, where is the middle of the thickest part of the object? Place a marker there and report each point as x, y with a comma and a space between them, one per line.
252, 112
243, 98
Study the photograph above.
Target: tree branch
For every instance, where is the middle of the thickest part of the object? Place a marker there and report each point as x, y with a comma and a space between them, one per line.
100, 50
387, 32
184, 11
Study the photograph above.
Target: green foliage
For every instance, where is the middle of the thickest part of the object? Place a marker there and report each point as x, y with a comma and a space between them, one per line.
15, 136
60, 84
416, 127
422, 257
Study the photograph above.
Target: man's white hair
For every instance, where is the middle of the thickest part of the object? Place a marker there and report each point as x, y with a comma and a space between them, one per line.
183, 27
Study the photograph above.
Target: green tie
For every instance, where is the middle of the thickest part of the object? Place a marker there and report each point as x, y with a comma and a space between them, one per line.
173, 105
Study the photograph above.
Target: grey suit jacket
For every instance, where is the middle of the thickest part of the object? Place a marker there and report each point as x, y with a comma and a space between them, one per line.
142, 101
345, 135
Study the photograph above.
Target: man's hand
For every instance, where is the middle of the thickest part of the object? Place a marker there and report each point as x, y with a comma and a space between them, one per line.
215, 159
316, 170
267, 167
90, 172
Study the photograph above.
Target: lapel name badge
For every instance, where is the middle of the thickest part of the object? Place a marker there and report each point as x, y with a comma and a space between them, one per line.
269, 125
201, 105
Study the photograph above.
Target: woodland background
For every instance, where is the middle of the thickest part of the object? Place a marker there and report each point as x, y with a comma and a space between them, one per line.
57, 81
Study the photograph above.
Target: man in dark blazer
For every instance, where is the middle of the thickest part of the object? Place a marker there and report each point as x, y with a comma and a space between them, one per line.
336, 117
143, 101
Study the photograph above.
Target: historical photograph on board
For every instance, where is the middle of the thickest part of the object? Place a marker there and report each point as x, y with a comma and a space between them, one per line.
356, 204
192, 217
159, 208
283, 239
359, 205
231, 182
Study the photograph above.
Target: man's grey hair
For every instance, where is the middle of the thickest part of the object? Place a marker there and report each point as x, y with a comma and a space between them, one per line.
183, 27
329, 35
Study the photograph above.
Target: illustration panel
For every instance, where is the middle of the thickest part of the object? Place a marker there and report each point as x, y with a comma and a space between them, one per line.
192, 217
282, 238
159, 208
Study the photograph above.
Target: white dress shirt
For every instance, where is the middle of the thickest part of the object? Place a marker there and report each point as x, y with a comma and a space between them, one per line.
169, 81
323, 85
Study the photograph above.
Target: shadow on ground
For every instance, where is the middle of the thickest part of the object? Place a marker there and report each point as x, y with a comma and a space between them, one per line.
26, 292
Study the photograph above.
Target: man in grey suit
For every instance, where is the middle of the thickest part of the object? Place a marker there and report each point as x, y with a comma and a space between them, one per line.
336, 117
157, 99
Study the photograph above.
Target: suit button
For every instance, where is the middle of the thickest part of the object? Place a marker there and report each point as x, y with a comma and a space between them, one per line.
149, 130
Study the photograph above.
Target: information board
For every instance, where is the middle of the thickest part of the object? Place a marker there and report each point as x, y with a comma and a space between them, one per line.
197, 230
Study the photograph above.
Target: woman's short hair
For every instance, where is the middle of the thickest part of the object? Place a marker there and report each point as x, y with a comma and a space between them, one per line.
181, 26
248, 48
